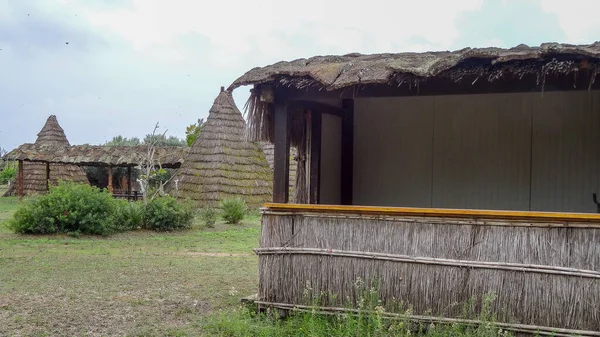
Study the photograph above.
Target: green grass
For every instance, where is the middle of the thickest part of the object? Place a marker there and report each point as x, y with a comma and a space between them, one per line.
144, 283
140, 283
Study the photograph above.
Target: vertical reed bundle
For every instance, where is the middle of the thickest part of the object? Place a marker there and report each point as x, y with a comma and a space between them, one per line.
543, 276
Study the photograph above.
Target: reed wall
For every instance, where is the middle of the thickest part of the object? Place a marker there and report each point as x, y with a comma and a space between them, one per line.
544, 273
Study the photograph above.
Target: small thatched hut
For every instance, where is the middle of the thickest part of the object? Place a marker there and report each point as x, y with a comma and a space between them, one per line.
222, 164
52, 135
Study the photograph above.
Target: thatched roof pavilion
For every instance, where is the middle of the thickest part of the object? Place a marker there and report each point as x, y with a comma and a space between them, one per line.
51, 157
51, 136
441, 176
222, 164
98, 155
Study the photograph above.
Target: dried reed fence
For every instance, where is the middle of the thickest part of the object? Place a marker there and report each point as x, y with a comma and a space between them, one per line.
545, 274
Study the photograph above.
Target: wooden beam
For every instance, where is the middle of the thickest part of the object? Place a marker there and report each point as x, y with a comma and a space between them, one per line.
315, 157
47, 176
546, 219
347, 171
316, 106
129, 180
470, 84
110, 180
20, 180
281, 165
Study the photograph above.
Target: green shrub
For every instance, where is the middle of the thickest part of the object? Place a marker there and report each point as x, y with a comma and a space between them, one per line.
233, 210
166, 214
8, 172
129, 215
67, 208
209, 216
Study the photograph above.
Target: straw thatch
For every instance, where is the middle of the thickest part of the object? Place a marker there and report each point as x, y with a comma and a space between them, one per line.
52, 134
336, 72
349, 74
222, 164
92, 155
50, 138
544, 273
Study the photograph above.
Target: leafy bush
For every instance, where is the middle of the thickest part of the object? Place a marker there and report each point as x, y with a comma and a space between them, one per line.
166, 214
129, 215
67, 208
209, 216
233, 210
8, 172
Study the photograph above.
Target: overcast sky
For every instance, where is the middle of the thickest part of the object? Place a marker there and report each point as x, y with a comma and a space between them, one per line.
116, 67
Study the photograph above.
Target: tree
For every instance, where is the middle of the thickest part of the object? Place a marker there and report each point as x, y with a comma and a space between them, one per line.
193, 131
152, 174
162, 140
123, 141
8, 170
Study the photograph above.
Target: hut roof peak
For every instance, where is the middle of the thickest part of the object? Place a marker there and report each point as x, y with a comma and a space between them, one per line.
222, 163
52, 134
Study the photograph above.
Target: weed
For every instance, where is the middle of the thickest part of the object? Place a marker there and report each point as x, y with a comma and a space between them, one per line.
370, 319
233, 210
209, 216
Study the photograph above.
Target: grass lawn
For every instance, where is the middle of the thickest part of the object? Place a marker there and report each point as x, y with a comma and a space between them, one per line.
133, 284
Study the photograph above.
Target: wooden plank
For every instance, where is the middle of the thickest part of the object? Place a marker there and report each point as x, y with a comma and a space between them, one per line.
281, 164
110, 180
47, 176
20, 180
347, 174
129, 180
315, 157
436, 212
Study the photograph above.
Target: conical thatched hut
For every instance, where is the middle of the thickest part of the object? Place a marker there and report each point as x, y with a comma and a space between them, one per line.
222, 164
52, 135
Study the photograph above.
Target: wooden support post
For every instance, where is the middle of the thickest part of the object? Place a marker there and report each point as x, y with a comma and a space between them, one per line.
110, 180
47, 176
281, 165
20, 180
315, 157
129, 180
347, 174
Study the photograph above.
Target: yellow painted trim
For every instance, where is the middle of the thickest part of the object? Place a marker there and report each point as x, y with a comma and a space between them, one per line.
436, 212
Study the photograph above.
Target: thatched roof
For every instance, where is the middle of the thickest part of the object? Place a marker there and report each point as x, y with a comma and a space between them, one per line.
91, 155
52, 134
222, 164
51, 138
337, 72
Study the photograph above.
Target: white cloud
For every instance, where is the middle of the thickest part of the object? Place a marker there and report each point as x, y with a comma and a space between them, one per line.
579, 20
237, 28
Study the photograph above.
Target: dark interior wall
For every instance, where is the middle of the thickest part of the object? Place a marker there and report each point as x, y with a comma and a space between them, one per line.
521, 151
482, 151
566, 151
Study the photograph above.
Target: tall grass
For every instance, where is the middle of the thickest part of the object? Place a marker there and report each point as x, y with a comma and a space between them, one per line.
368, 319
